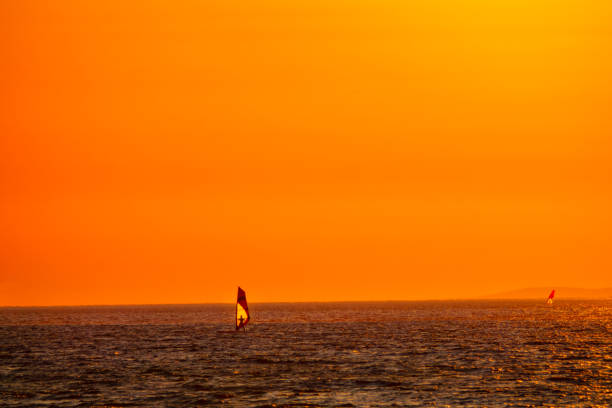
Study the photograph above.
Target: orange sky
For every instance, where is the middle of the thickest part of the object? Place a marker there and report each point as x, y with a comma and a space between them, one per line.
166, 152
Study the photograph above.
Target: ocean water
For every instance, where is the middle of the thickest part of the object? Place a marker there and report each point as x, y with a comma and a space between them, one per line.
455, 353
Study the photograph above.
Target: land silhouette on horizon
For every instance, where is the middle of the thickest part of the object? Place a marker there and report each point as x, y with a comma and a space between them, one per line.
560, 293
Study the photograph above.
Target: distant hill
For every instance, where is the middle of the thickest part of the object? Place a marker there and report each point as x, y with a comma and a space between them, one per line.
560, 293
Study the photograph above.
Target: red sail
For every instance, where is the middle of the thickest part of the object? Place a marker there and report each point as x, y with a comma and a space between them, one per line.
242, 309
552, 294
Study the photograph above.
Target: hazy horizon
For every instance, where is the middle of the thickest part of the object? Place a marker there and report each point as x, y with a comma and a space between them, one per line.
562, 293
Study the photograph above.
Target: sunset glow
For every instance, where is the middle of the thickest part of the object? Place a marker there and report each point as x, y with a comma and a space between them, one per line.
167, 152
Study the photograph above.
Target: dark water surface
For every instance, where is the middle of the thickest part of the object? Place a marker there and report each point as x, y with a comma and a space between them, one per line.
474, 353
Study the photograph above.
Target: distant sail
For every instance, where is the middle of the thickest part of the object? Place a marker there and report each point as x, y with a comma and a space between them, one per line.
242, 310
550, 297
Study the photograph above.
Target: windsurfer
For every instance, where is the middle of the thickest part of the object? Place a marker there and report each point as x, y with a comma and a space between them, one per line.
241, 324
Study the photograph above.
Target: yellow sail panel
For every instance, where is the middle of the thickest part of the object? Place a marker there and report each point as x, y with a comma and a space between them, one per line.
240, 312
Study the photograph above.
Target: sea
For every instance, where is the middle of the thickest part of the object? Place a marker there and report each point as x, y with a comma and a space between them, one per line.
519, 353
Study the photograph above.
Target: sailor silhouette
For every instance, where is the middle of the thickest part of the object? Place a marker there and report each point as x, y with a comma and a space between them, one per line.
241, 324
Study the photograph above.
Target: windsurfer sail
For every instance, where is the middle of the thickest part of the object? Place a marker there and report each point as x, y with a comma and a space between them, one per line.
550, 297
242, 310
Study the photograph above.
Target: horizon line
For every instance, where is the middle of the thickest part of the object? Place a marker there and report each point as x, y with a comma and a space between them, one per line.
302, 301
505, 295
231, 303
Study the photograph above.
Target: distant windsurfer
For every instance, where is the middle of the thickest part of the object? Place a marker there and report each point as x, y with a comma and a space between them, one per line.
241, 324
550, 297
